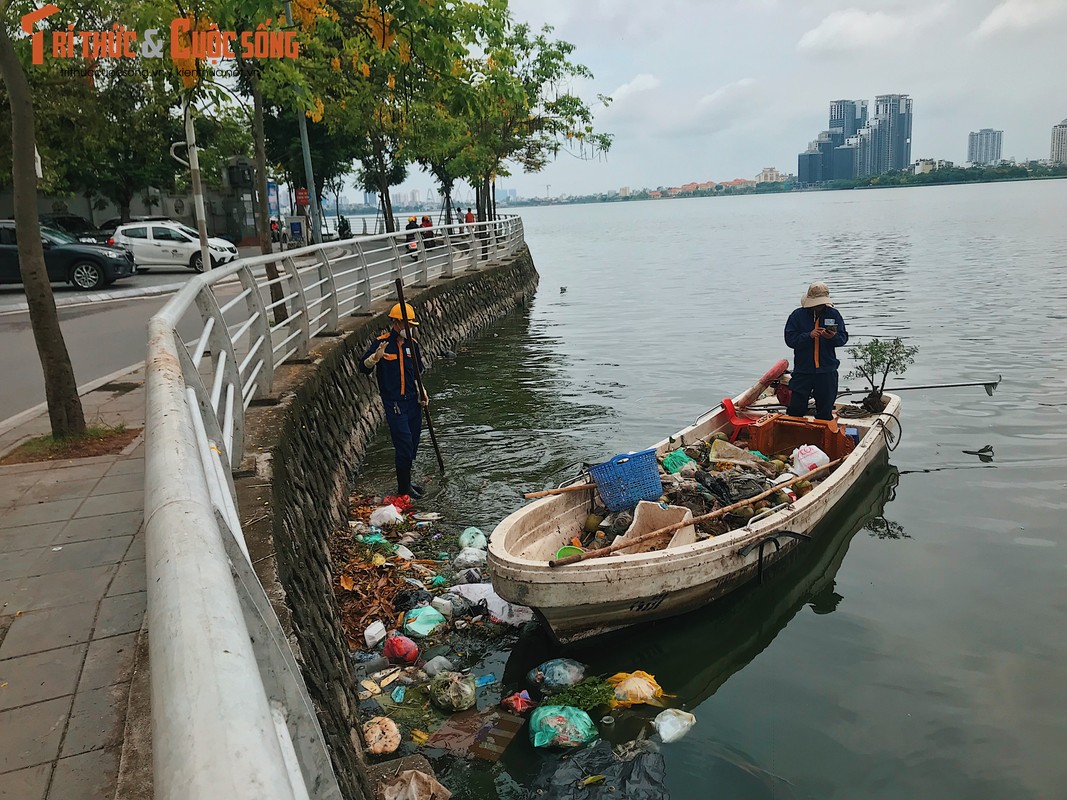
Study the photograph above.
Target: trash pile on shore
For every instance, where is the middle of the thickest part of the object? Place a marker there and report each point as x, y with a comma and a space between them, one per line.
420, 617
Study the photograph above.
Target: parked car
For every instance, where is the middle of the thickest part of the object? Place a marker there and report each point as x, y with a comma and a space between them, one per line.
87, 266
170, 244
78, 227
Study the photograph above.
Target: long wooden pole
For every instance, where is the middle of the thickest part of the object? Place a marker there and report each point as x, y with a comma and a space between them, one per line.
418, 374
562, 490
604, 551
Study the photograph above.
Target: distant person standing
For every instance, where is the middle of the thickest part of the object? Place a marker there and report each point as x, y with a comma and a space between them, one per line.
814, 331
428, 234
391, 357
469, 218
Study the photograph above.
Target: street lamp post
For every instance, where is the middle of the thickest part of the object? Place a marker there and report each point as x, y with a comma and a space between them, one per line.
309, 175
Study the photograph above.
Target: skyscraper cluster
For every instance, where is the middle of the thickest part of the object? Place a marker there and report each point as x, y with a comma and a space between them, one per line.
858, 145
1059, 143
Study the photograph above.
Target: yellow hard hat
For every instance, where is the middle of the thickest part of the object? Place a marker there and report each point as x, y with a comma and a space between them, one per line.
394, 313
413, 218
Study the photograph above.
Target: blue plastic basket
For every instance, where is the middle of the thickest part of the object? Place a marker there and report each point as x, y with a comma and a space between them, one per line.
627, 479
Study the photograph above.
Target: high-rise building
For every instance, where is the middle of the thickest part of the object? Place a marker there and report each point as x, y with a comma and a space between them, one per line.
983, 147
370, 198
892, 139
847, 117
1059, 143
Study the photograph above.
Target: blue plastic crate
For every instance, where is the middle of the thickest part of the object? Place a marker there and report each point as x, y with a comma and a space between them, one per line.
627, 479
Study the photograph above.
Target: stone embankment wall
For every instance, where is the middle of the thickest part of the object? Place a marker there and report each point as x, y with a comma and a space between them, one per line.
302, 446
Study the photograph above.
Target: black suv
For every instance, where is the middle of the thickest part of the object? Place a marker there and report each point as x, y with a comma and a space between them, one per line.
87, 266
78, 227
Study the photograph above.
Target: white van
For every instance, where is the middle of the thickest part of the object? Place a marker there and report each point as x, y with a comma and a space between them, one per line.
170, 244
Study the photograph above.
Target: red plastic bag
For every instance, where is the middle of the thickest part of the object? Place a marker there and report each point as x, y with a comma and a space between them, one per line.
401, 503
518, 703
400, 649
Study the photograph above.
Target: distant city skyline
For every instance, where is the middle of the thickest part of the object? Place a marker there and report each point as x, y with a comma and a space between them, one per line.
984, 146
1058, 155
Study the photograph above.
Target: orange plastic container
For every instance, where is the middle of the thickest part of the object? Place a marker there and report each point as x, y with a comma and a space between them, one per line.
781, 434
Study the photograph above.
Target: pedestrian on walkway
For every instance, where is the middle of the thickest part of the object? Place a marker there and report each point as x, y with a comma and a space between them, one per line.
391, 356
469, 218
814, 331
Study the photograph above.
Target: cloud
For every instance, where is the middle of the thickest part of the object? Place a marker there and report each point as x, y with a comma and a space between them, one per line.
853, 29
1019, 15
639, 85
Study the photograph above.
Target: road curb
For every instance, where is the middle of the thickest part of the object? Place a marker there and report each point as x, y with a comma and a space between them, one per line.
41, 408
120, 294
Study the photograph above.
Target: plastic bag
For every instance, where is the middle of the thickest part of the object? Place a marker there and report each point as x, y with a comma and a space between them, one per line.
381, 735
632, 688
400, 650
724, 451
498, 607
808, 457
385, 517
423, 621
675, 460
412, 785
559, 673
451, 691
673, 724
561, 726
374, 634
470, 575
437, 664
473, 537
635, 770
408, 599
519, 703
469, 557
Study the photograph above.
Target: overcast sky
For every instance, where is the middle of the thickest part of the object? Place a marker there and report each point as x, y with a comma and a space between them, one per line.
718, 89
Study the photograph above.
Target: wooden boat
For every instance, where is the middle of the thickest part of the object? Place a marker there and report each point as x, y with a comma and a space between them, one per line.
604, 594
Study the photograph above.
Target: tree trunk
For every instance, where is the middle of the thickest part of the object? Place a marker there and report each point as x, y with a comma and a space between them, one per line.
448, 203
494, 200
266, 245
387, 208
60, 388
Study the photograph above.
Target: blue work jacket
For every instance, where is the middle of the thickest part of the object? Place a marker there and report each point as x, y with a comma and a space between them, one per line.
814, 355
396, 371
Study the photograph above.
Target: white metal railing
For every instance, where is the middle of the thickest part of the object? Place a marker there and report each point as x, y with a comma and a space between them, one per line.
231, 715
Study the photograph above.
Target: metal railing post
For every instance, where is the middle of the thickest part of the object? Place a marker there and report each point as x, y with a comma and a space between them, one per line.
424, 262
450, 264
259, 338
303, 340
398, 259
225, 403
330, 285
365, 268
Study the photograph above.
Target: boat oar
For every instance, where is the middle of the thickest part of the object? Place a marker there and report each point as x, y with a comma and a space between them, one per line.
604, 551
562, 490
418, 374
989, 386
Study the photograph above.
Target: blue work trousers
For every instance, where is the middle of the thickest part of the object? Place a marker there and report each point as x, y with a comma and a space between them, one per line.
405, 428
823, 385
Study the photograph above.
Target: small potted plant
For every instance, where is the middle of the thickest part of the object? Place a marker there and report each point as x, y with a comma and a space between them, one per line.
875, 362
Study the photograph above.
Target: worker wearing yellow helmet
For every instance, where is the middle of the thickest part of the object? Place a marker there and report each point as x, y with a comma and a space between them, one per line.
391, 357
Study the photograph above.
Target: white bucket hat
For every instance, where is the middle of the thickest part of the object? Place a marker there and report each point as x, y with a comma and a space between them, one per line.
818, 295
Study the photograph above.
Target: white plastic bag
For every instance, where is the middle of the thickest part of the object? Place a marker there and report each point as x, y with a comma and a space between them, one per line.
374, 634
469, 557
385, 517
500, 608
808, 457
673, 724
472, 537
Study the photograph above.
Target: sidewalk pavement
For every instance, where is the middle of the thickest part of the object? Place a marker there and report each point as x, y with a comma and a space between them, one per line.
72, 604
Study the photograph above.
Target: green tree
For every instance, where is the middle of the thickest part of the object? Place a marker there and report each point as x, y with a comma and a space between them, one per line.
875, 361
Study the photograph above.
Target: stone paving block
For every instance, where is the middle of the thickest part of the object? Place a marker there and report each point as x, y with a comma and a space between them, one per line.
132, 577
57, 589
97, 505
19, 564
109, 661
29, 536
79, 530
40, 512
137, 548
96, 719
31, 735
123, 613
127, 466
65, 471
88, 776
25, 784
113, 484
43, 492
37, 631
64, 557
11, 492
41, 676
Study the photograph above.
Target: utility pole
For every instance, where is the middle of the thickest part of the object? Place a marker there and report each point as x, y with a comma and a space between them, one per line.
309, 175
194, 174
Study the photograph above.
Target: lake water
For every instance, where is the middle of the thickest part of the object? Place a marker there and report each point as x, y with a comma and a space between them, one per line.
919, 651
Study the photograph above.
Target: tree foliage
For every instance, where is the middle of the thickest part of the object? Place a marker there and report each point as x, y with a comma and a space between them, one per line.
876, 360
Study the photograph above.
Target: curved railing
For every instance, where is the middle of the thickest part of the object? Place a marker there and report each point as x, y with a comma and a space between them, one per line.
231, 716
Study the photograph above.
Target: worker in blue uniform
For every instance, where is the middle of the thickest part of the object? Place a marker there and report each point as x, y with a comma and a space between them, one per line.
814, 331
391, 356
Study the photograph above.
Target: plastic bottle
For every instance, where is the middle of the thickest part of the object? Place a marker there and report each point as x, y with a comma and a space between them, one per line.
437, 664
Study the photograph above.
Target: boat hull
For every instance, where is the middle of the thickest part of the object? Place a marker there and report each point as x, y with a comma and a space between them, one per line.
601, 595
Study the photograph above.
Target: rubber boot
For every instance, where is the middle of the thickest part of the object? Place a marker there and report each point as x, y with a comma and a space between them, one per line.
403, 481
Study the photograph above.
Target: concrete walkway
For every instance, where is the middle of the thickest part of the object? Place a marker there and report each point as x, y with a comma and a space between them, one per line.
72, 603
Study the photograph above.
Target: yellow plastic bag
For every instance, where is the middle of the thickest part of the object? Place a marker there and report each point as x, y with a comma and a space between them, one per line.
633, 688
